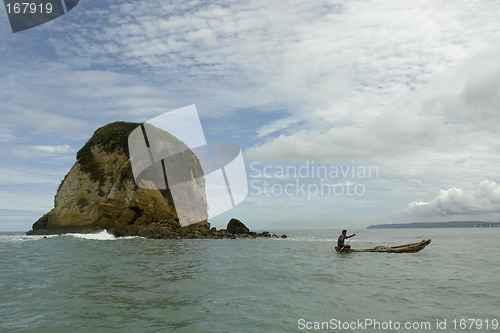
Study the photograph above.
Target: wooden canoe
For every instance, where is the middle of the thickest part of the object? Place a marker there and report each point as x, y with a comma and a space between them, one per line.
407, 248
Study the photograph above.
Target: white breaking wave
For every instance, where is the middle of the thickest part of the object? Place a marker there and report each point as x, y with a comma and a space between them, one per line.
103, 235
23, 238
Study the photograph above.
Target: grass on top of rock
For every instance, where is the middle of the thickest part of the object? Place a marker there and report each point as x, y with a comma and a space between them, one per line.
109, 138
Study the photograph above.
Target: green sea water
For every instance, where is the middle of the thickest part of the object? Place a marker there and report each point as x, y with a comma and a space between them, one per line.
95, 283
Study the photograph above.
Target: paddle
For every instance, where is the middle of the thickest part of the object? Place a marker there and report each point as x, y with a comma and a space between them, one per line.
347, 242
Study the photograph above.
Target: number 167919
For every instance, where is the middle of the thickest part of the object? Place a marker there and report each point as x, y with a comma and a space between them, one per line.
28, 8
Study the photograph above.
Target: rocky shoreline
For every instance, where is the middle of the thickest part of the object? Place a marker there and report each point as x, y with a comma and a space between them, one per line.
171, 230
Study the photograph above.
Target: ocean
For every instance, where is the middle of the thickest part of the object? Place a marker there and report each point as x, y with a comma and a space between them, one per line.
96, 283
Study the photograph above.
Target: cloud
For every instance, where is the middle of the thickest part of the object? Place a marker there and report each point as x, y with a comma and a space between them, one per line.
323, 64
476, 105
316, 59
485, 198
67, 101
452, 116
62, 149
31, 176
6, 134
387, 137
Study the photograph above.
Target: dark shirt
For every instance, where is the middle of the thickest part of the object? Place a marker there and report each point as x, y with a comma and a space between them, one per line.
340, 242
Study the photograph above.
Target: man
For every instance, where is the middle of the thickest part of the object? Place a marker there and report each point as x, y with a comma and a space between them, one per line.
342, 238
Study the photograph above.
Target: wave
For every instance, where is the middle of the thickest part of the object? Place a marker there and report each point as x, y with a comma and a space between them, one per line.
103, 235
23, 238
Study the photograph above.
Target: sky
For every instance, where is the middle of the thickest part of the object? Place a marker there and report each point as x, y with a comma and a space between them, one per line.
348, 113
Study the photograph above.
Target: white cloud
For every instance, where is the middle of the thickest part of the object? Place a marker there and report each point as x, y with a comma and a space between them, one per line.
31, 176
387, 137
320, 61
62, 149
421, 134
6, 135
325, 64
476, 105
30, 154
485, 198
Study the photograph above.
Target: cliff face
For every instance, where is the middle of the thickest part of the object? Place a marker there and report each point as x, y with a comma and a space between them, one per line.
99, 192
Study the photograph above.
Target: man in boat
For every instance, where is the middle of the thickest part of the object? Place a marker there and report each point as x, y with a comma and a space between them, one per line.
342, 238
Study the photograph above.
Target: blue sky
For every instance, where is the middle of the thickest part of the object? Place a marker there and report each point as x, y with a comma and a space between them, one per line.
412, 88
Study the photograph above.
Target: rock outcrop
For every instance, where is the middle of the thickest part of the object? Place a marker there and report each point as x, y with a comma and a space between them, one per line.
99, 192
235, 226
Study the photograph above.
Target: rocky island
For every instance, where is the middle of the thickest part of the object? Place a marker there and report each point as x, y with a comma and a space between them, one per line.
100, 193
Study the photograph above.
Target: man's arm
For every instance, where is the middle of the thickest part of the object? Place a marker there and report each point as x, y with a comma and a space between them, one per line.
350, 236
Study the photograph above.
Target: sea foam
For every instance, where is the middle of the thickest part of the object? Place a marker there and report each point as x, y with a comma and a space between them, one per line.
22, 238
103, 235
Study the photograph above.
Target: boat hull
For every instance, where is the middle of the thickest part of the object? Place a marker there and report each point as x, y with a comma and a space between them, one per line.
407, 248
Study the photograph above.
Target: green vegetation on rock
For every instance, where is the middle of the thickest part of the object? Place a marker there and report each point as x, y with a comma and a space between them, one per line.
108, 138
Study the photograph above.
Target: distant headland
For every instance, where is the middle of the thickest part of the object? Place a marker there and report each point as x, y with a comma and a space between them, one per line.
450, 224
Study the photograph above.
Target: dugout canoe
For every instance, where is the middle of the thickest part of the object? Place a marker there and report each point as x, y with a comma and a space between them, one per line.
407, 248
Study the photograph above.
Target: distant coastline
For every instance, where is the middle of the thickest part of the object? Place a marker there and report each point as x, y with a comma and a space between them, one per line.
451, 224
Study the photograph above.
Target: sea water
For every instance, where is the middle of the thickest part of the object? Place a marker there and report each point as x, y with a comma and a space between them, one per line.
97, 283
